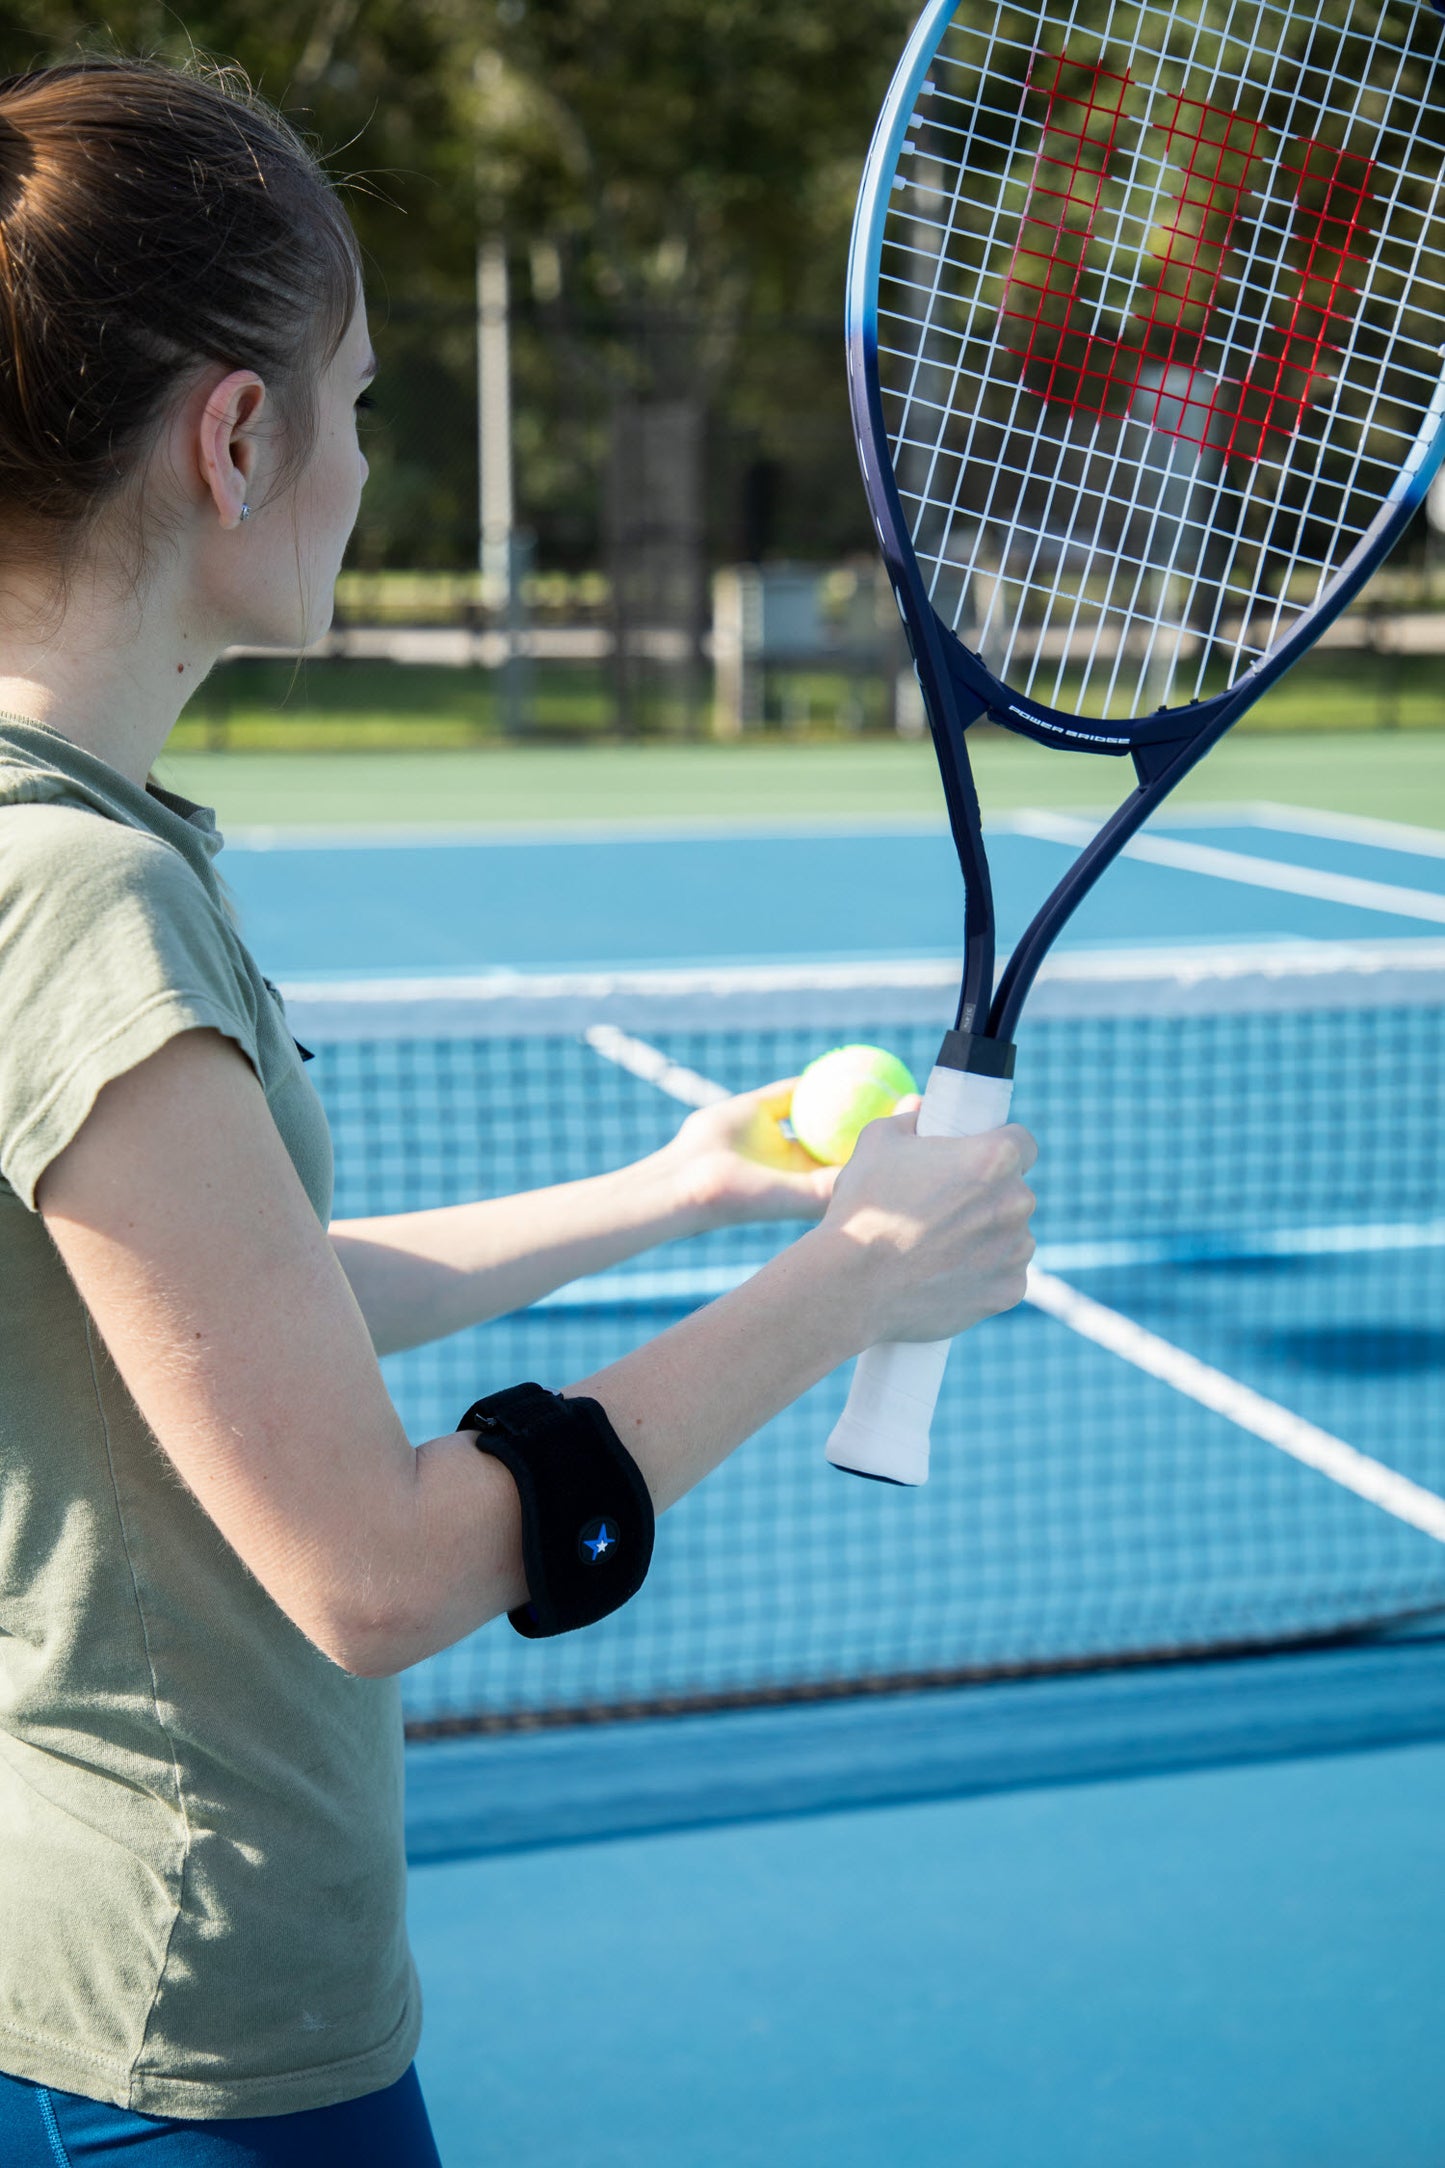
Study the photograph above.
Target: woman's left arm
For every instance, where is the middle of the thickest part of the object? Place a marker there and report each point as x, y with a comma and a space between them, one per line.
420, 1275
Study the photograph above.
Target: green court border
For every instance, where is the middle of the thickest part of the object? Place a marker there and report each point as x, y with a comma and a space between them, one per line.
1386, 775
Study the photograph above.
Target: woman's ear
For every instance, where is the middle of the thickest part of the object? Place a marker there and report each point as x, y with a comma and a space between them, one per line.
226, 442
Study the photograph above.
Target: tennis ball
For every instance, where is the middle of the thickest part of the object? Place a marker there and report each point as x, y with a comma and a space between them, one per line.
839, 1093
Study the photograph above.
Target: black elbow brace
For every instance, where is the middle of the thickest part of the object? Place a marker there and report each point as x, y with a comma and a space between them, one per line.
587, 1518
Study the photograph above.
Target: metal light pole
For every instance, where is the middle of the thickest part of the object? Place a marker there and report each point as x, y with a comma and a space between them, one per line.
501, 552
1435, 528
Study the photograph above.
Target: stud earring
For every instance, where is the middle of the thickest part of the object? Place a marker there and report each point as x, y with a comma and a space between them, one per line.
245, 511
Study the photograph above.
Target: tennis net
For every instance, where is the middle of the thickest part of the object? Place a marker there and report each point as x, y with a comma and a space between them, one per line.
1214, 1427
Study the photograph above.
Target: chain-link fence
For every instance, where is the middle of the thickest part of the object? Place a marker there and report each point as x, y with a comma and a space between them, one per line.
690, 555
766, 438
647, 448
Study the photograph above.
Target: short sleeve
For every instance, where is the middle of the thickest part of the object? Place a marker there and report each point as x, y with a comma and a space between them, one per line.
110, 945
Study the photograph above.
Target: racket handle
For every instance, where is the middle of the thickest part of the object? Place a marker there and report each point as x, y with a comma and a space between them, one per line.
883, 1430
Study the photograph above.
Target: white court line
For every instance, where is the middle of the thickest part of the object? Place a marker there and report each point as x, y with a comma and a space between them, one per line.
693, 1284
1252, 872
1240, 1405
654, 828
644, 1290
782, 827
1343, 1240
641, 1059
630, 828
650, 828
1214, 1389
1303, 820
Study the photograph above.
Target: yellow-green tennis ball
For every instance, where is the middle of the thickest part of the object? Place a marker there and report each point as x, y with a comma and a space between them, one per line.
840, 1093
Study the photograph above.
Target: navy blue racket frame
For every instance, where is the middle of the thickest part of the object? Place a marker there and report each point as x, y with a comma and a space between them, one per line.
959, 689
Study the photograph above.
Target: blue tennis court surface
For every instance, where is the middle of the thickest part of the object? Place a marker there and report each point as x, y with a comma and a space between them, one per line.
1232, 1968
637, 899
1043, 1914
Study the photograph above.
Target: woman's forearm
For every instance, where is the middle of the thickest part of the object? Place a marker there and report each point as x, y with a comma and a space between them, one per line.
418, 1276
680, 1404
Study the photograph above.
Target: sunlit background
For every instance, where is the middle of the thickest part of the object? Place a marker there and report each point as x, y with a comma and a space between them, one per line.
610, 774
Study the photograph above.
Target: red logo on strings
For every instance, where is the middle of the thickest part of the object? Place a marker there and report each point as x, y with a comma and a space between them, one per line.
1218, 157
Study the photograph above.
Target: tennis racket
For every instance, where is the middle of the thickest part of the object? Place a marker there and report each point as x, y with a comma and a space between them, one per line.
1144, 345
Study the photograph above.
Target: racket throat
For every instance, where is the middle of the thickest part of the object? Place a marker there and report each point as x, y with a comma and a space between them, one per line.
1153, 759
948, 722
972, 1053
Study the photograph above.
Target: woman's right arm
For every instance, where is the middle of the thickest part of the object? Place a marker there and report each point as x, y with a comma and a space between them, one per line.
220, 1299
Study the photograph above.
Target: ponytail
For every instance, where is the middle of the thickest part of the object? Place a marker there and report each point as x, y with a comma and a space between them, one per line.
153, 220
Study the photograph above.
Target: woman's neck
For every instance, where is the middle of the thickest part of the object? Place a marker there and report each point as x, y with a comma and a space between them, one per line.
113, 681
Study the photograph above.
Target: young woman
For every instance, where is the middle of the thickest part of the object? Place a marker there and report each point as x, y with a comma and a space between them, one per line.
217, 1547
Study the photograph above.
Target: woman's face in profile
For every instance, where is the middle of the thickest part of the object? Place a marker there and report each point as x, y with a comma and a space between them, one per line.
328, 491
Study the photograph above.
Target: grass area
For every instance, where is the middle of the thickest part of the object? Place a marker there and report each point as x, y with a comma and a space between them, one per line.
262, 706
1345, 690
256, 706
419, 598
1397, 775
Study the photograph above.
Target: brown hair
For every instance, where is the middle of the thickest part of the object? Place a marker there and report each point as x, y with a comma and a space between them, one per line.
153, 219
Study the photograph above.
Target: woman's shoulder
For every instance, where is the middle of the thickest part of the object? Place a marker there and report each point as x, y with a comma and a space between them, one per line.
58, 852
91, 901
110, 945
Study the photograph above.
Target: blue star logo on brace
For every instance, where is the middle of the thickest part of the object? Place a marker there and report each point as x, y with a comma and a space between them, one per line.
596, 1540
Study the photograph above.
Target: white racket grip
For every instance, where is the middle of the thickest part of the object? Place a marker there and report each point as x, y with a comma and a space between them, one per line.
883, 1430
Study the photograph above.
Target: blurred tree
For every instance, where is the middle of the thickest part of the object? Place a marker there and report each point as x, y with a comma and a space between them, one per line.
687, 156
675, 179
682, 174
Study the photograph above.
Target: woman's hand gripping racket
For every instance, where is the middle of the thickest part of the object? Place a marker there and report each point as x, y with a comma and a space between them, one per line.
1145, 314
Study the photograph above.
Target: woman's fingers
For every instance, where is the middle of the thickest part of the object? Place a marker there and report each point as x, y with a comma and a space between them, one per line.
736, 1164
943, 1221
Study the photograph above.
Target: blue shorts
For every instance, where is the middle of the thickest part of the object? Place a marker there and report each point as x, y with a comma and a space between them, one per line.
41, 2128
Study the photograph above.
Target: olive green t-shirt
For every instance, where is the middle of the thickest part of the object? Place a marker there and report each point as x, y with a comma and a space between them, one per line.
201, 1867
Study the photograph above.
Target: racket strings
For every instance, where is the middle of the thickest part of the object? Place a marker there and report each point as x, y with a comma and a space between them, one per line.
1154, 335
1128, 557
